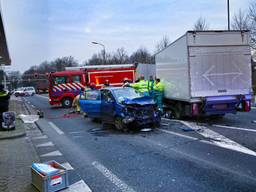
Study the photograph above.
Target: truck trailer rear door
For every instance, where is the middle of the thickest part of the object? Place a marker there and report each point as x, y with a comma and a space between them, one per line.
220, 70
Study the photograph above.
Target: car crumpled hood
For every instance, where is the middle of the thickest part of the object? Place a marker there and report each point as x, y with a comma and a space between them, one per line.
146, 100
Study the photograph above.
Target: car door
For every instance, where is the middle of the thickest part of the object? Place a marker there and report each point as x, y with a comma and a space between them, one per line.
90, 103
107, 106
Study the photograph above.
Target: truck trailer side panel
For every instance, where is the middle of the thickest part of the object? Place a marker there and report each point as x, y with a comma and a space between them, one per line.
172, 69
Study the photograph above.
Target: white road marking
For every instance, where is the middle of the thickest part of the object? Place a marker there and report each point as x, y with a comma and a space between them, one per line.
216, 138
40, 137
221, 140
237, 128
112, 177
57, 129
53, 153
177, 134
67, 166
45, 97
79, 186
76, 132
48, 144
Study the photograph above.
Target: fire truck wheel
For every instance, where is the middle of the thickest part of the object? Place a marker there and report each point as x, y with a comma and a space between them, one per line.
67, 102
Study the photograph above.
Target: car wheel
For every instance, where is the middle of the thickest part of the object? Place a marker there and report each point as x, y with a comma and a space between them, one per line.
67, 102
119, 124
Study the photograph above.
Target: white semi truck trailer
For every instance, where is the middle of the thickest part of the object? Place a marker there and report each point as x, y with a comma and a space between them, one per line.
206, 73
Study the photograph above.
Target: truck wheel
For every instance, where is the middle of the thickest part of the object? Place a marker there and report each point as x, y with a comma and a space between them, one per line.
172, 114
119, 124
66, 102
168, 114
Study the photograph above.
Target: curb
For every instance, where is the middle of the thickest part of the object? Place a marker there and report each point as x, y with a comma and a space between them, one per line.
14, 136
20, 132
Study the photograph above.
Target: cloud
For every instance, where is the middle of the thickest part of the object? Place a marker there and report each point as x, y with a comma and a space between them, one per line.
44, 30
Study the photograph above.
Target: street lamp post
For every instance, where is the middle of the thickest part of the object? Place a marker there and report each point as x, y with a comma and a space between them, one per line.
104, 50
228, 15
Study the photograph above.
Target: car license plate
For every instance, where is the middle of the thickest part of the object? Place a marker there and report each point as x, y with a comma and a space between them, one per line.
220, 106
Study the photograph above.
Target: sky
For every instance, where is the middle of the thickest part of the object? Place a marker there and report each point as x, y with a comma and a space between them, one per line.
43, 30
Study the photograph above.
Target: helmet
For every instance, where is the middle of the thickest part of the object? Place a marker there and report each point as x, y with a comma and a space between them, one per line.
92, 85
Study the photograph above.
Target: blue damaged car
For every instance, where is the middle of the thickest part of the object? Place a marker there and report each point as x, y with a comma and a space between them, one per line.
122, 107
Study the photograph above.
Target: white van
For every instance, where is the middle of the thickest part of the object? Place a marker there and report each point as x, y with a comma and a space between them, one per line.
30, 91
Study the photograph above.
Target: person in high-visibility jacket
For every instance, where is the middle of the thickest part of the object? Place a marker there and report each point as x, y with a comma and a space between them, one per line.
141, 86
151, 83
158, 93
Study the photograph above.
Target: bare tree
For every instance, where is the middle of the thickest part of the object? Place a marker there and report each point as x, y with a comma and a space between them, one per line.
252, 20
241, 21
120, 56
96, 59
201, 24
163, 43
141, 56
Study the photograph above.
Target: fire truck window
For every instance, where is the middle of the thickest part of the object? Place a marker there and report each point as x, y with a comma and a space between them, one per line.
76, 78
59, 80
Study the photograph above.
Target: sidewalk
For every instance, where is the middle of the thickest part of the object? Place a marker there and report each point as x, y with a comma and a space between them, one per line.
16, 154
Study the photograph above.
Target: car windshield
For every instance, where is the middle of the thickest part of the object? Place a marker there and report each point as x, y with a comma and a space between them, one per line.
125, 93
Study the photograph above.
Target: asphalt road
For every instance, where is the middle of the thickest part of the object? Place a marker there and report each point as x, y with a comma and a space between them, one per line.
190, 155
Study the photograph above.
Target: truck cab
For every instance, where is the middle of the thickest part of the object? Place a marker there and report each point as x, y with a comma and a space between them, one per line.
64, 86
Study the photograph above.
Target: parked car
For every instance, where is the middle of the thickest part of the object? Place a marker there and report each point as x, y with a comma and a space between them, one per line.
24, 91
19, 92
122, 107
29, 91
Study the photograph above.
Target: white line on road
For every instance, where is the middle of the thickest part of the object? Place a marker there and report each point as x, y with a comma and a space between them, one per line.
48, 144
112, 177
57, 129
177, 134
67, 166
76, 132
216, 138
237, 128
40, 137
45, 97
79, 186
53, 153
221, 140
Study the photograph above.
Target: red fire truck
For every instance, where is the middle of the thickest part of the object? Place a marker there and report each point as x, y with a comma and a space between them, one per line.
65, 85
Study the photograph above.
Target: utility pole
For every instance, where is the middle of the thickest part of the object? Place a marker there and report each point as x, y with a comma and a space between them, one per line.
228, 15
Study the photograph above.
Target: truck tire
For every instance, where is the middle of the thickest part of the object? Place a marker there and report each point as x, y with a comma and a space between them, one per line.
119, 125
66, 102
172, 113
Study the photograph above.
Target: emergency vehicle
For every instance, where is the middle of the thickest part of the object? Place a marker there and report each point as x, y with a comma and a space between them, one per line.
64, 86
